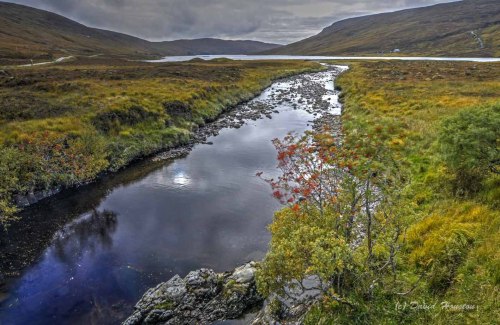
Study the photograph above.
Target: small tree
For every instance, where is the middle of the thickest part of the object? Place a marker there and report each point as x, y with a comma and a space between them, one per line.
339, 225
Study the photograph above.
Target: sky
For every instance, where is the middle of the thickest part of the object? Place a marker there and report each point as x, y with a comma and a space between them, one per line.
276, 21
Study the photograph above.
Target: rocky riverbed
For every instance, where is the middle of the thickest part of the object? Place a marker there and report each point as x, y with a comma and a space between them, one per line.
312, 92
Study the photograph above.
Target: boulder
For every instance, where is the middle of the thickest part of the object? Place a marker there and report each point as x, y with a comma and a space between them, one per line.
202, 297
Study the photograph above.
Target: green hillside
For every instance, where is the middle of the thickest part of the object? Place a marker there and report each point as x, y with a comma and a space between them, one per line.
464, 28
27, 33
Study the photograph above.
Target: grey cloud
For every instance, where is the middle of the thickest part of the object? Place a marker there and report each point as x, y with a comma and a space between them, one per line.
281, 21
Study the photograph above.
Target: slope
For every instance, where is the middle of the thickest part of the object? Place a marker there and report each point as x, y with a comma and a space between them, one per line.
29, 33
463, 28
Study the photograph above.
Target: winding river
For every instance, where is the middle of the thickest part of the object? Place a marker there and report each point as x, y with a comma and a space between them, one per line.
87, 255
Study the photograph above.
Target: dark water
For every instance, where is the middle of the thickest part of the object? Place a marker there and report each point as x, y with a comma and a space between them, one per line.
97, 249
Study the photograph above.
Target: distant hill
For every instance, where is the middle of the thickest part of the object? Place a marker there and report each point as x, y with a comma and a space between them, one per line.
29, 33
218, 46
463, 28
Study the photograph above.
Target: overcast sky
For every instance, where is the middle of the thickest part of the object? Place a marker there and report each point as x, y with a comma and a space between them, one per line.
279, 21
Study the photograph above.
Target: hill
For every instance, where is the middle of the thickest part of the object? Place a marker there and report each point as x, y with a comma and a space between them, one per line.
463, 28
29, 33
218, 46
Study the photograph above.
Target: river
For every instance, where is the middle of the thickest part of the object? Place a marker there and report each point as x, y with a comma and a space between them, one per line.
87, 255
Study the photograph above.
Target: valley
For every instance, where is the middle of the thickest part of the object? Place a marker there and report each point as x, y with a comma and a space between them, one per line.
192, 176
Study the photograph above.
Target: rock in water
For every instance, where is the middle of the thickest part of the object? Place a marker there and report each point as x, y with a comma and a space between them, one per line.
202, 297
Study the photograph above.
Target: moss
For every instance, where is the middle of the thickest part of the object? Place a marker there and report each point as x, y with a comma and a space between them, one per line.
275, 307
233, 287
165, 305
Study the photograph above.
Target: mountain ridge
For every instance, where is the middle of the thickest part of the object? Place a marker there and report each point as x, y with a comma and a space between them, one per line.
461, 28
30, 33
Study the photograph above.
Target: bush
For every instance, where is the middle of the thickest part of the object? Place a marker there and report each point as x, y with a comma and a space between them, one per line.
112, 120
10, 168
302, 245
329, 232
177, 108
469, 146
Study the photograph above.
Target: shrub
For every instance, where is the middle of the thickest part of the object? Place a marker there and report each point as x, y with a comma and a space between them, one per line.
112, 120
177, 108
55, 159
469, 145
10, 169
340, 226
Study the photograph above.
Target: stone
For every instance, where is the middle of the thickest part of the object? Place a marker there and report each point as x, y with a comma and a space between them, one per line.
245, 273
22, 201
31, 198
202, 297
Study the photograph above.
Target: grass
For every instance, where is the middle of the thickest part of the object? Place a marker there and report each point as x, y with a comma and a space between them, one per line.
66, 124
453, 239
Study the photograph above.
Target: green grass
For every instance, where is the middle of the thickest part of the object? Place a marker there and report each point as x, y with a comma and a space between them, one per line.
66, 124
452, 239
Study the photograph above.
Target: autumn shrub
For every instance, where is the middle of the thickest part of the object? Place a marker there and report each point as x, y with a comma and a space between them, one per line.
61, 159
44, 160
339, 227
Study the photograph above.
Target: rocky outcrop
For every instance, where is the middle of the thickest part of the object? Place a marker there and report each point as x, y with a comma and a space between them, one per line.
23, 201
202, 297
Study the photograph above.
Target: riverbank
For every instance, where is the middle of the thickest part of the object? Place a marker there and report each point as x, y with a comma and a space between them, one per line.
438, 218
65, 126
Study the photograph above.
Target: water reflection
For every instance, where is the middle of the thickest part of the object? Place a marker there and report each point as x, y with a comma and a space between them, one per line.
26, 239
180, 178
90, 233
